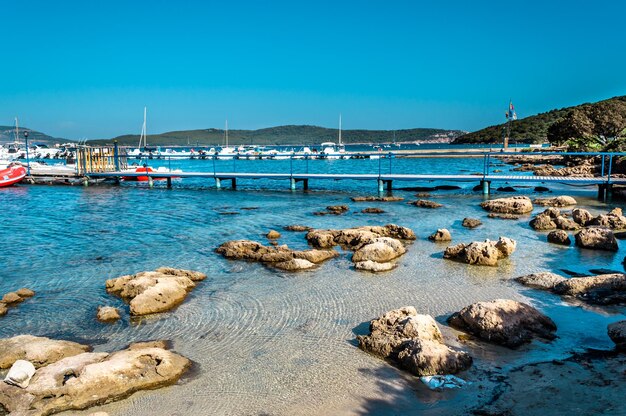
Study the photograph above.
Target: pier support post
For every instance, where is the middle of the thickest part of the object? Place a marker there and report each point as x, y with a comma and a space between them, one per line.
601, 192
234, 183
486, 187
381, 186
218, 183
305, 184
292, 183
169, 183
609, 192
389, 185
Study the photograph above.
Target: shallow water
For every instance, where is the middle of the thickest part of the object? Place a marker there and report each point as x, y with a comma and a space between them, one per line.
266, 342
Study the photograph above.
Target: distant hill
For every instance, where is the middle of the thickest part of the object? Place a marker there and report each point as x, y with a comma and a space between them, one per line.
7, 135
531, 129
285, 135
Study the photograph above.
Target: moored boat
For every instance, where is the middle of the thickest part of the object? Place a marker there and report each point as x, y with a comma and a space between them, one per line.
12, 175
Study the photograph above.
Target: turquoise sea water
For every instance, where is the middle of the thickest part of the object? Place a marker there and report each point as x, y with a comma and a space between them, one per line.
266, 342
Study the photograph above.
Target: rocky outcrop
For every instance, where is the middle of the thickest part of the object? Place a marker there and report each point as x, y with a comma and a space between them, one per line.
602, 289
557, 201
40, 351
541, 280
377, 199
297, 227
442, 234
542, 223
107, 314
333, 210
585, 169
281, 257
12, 299
617, 333
503, 321
486, 253
559, 237
471, 222
272, 235
354, 238
567, 224
596, 239
86, 379
425, 203
375, 267
413, 342
503, 216
613, 220
511, 205
154, 291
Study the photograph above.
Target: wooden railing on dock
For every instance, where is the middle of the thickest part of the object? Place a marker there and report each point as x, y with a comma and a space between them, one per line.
103, 159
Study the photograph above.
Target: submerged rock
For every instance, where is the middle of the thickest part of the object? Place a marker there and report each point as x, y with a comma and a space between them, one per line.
503, 216
503, 321
559, 237
294, 265
381, 250
414, 343
510, 205
442, 234
557, 201
377, 199
424, 203
471, 222
596, 239
87, 379
272, 235
297, 227
40, 351
541, 280
25, 293
485, 253
154, 291
373, 266
372, 211
617, 333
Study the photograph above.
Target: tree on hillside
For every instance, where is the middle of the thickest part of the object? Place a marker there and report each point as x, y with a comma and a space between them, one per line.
609, 120
575, 126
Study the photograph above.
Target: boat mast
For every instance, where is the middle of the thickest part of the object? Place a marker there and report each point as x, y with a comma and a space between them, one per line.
226, 132
339, 129
17, 131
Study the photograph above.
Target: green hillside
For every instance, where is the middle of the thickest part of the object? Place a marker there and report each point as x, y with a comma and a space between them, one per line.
531, 129
7, 135
283, 135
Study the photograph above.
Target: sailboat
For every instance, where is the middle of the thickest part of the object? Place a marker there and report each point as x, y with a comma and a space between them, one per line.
143, 139
226, 152
330, 150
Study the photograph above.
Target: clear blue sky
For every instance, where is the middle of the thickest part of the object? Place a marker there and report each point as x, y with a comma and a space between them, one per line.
86, 69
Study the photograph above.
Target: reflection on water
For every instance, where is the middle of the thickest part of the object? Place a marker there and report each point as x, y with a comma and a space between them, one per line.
266, 341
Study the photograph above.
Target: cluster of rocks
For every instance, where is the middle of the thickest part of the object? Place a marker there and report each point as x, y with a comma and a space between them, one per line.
297, 227
49, 376
333, 210
14, 298
154, 291
372, 210
280, 257
413, 342
377, 199
374, 246
425, 203
485, 253
516, 205
604, 289
584, 169
495, 215
557, 201
597, 235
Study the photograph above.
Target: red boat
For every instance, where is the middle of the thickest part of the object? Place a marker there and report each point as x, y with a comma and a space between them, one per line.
12, 175
142, 178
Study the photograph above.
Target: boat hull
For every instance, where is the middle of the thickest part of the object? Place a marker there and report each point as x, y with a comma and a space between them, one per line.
12, 175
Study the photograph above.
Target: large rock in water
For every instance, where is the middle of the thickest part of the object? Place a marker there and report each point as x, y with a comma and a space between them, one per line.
511, 205
581, 216
614, 220
413, 342
557, 201
88, 379
153, 292
503, 321
486, 253
251, 250
602, 289
40, 351
596, 239
542, 222
374, 266
559, 237
442, 234
381, 250
355, 238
